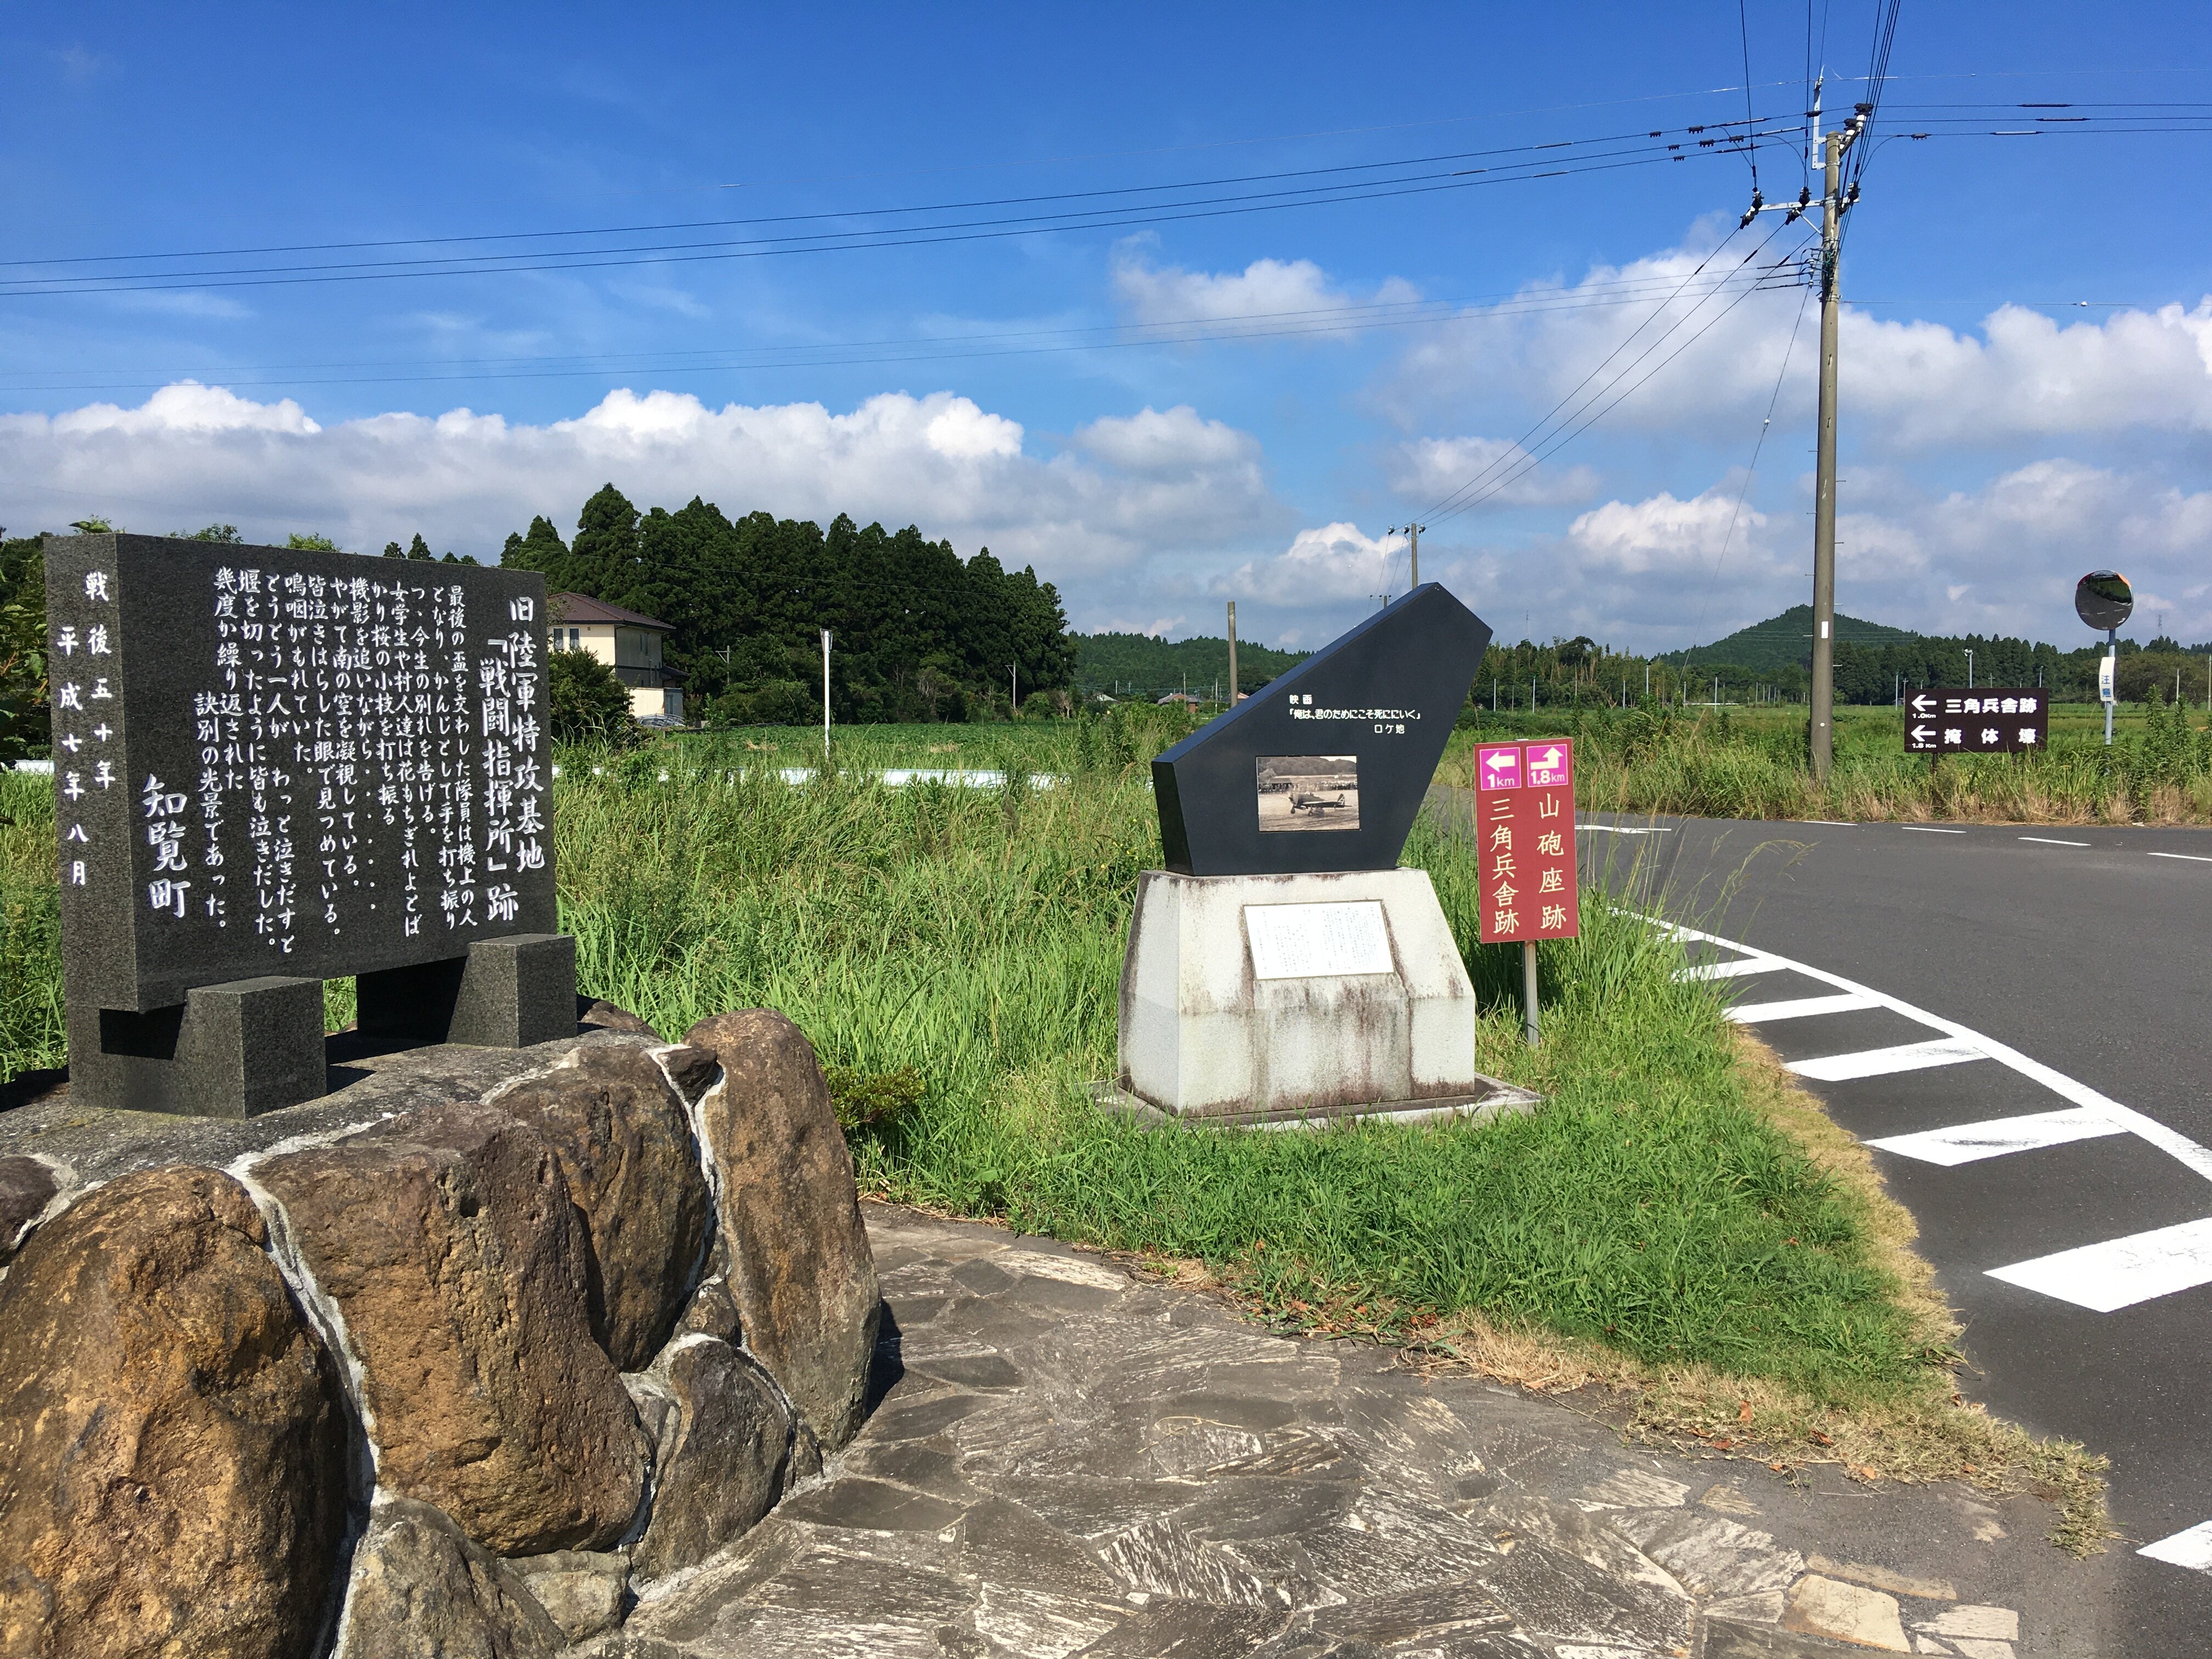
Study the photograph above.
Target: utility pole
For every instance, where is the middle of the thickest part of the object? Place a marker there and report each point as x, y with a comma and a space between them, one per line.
1014, 672
1232, 654
1824, 498
1413, 534
825, 696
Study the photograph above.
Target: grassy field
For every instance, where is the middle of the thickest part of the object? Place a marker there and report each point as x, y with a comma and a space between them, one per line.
1750, 763
1673, 1221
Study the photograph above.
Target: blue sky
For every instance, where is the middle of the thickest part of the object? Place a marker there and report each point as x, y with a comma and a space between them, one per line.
1082, 400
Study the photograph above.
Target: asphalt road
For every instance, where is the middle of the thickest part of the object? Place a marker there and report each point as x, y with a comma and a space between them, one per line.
2085, 951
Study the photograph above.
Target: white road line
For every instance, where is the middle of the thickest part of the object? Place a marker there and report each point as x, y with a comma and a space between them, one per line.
1732, 970
1832, 824
1758, 1013
1883, 1062
2193, 858
1930, 829
1618, 829
2192, 1548
2121, 1271
1969, 1143
2049, 841
2172, 1142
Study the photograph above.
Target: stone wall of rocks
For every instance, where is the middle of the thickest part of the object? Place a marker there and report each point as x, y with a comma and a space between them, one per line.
463, 1360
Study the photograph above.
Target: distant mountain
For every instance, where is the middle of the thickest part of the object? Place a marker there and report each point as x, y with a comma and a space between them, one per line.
1137, 663
1786, 639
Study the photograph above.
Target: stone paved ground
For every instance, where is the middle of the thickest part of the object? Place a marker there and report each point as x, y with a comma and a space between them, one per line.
1068, 1462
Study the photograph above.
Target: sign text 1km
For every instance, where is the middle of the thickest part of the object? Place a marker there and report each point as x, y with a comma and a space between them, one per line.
1525, 832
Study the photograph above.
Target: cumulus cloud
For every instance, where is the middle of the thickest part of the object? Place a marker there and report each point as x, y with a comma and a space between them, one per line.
1123, 489
1266, 294
1327, 567
1906, 386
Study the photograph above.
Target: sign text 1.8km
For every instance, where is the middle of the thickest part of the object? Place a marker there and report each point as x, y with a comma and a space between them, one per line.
1999, 721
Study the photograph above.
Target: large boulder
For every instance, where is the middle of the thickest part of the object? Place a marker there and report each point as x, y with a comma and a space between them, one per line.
724, 1444
449, 1244
623, 1140
26, 1187
800, 1269
172, 1444
421, 1590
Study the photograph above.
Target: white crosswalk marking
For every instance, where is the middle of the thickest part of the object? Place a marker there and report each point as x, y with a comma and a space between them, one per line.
1969, 1143
2192, 1548
1732, 970
1756, 1013
2121, 1271
1882, 1062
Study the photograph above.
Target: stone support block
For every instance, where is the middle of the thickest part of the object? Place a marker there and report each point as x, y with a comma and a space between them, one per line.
1241, 996
505, 993
236, 1049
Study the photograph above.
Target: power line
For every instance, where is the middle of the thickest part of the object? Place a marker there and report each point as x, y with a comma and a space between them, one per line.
1555, 445
1623, 150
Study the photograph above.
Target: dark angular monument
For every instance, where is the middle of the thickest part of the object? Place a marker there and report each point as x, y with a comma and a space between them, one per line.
1283, 968
1325, 767
274, 767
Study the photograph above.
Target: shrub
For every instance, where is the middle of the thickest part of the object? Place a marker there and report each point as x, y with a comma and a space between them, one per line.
588, 704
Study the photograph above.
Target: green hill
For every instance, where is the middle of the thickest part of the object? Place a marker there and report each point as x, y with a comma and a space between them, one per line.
1781, 640
1131, 664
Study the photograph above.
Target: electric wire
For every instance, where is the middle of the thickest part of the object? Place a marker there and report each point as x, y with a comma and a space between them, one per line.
1552, 445
1624, 152
1751, 472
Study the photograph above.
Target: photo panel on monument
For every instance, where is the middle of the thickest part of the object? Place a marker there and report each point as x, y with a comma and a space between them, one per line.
1324, 769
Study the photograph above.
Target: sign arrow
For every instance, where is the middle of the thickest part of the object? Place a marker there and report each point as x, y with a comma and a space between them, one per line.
1923, 704
1549, 758
1923, 733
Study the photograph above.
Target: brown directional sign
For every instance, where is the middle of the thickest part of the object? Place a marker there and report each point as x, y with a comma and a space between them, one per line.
1997, 719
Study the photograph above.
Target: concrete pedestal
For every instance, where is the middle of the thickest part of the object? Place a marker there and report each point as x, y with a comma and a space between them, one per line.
505, 993
1273, 998
236, 1049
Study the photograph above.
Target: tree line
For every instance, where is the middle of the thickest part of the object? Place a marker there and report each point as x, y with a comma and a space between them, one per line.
917, 633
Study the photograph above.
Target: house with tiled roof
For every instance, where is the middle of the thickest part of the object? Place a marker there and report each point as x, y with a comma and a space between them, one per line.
629, 642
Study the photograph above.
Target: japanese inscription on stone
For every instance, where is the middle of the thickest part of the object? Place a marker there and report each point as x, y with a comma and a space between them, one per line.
1313, 941
269, 760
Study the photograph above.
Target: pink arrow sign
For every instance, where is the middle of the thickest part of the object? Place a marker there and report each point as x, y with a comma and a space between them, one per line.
1499, 767
1551, 765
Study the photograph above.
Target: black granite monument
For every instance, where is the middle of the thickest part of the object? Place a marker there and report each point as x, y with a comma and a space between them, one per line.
1324, 769
274, 767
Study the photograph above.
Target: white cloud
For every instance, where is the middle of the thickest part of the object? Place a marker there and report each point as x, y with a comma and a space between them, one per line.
1327, 567
1125, 489
1267, 294
1906, 385
1431, 468
1661, 536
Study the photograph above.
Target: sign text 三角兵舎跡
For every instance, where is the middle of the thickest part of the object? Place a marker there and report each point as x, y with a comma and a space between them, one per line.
1525, 841
1995, 721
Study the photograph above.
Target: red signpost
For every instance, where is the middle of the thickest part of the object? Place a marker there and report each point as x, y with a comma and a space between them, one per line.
1525, 833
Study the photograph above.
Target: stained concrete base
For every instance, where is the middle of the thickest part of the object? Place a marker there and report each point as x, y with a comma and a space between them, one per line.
1378, 1008
1496, 1100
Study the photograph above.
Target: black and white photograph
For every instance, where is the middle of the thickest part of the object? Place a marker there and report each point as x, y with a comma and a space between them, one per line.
1309, 792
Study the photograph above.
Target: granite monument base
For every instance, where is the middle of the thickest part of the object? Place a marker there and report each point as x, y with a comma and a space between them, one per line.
508, 993
236, 1049
1272, 999
251, 1045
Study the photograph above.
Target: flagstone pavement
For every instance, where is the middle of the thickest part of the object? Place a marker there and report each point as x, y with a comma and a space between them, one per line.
1065, 1462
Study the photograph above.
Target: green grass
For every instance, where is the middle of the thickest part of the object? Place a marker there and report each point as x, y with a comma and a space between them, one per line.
1751, 764
976, 937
